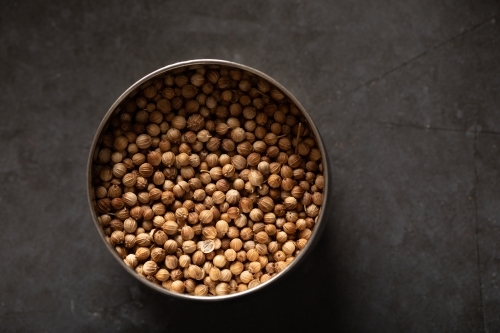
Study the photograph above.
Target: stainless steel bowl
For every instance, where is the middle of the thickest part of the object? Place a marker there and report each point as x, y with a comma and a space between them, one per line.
212, 63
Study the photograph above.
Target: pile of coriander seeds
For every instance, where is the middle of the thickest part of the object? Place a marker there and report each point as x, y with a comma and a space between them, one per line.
208, 181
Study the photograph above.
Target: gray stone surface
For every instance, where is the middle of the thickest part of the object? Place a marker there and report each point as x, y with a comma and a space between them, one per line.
405, 95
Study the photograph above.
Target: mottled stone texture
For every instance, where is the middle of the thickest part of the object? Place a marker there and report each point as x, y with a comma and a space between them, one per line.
406, 96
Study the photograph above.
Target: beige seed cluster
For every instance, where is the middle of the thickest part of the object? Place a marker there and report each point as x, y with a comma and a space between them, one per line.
208, 182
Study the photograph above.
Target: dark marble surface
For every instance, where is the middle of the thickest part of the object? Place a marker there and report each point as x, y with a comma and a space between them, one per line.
405, 95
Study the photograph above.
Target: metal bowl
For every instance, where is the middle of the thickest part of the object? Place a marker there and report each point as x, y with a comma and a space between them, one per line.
322, 219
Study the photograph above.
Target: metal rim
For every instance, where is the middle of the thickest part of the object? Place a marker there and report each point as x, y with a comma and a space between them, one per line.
319, 226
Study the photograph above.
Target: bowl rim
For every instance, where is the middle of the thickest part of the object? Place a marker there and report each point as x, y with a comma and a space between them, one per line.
183, 66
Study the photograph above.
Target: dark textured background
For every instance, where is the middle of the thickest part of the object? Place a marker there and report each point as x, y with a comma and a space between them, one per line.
406, 95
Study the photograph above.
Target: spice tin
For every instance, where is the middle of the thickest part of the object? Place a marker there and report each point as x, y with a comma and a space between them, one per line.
323, 217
